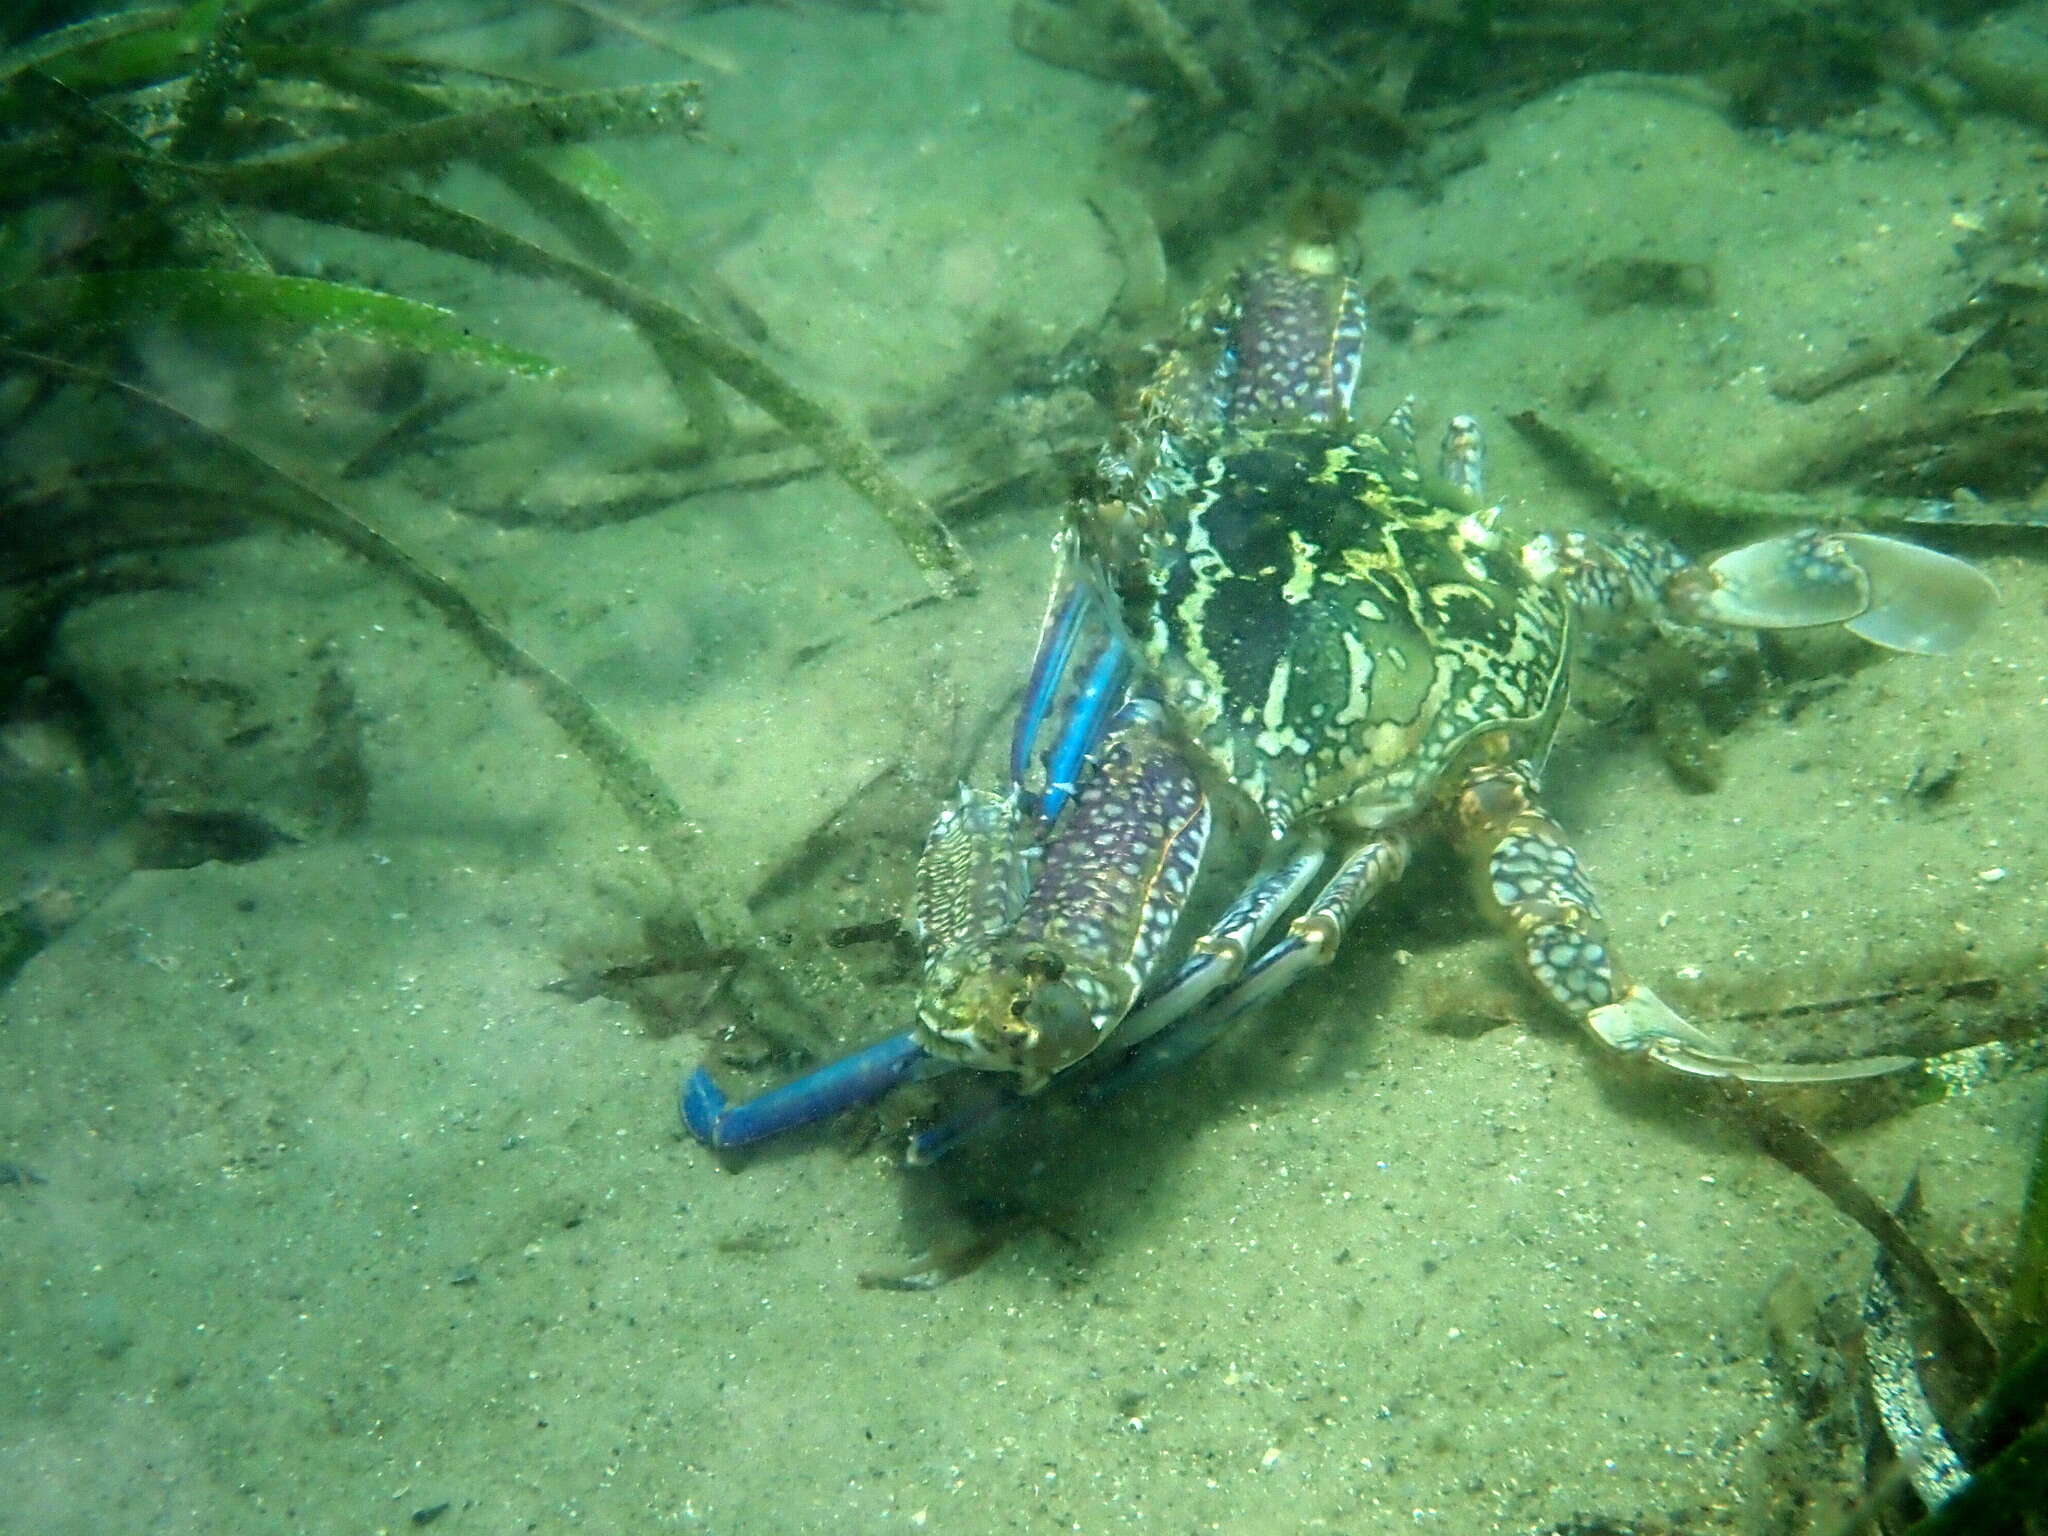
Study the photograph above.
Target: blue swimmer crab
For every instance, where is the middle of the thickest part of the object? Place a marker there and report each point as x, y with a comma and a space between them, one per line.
1272, 606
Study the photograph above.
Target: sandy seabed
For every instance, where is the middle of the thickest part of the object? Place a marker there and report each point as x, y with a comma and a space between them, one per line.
344, 1217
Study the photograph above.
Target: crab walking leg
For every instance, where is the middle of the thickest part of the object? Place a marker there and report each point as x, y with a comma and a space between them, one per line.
1215, 959
1298, 337
1606, 576
1312, 940
1531, 883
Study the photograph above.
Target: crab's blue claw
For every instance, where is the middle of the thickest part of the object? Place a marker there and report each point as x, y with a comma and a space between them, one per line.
1076, 699
1057, 635
703, 1106
818, 1095
1101, 689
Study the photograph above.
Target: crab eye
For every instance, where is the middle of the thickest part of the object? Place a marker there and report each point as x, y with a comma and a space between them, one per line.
1042, 965
1062, 1027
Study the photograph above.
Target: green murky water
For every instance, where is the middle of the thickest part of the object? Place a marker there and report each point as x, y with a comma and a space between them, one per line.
328, 1214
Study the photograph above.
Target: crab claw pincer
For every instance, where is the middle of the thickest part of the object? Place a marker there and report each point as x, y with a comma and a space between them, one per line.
1898, 595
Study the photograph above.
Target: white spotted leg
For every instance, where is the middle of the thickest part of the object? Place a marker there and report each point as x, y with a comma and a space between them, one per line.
1218, 957
1311, 940
1532, 885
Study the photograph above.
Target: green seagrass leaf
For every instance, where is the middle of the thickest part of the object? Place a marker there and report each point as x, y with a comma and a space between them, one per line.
52, 51
252, 300
490, 133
